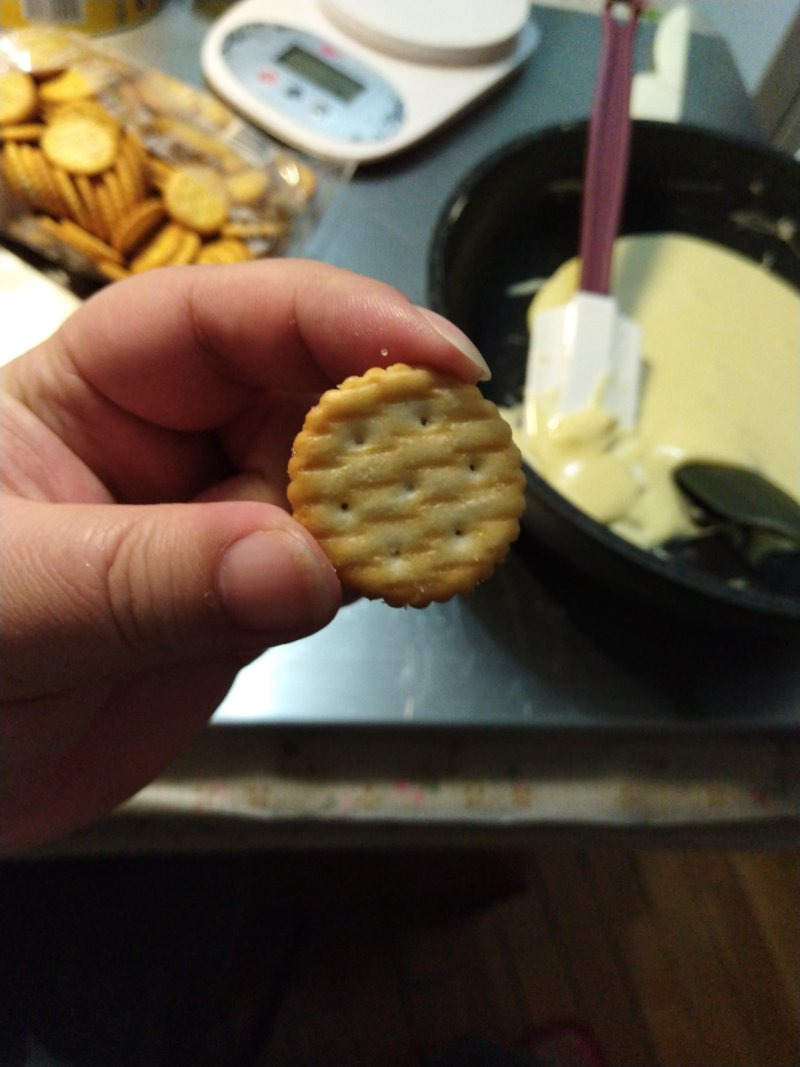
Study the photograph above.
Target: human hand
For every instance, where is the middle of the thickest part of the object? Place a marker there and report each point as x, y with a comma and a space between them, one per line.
146, 551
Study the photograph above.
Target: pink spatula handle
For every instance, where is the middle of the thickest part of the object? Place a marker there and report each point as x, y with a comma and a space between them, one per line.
608, 148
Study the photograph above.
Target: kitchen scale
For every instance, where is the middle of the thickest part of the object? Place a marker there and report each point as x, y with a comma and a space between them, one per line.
360, 80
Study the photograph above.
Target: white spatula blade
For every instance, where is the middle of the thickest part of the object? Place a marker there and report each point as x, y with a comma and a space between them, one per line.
583, 347
624, 387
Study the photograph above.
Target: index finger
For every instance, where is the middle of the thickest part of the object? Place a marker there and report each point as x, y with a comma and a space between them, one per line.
185, 347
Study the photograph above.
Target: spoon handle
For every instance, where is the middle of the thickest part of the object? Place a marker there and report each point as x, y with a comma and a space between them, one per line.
608, 148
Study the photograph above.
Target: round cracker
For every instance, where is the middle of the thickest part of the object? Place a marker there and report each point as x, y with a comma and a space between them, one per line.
75, 237
86, 243
15, 172
199, 142
160, 249
132, 164
296, 179
88, 194
90, 108
225, 250
187, 249
43, 50
44, 191
252, 229
106, 214
410, 481
80, 144
137, 225
248, 186
17, 97
164, 94
45, 175
119, 205
129, 181
68, 191
196, 197
24, 131
82, 80
65, 88
114, 272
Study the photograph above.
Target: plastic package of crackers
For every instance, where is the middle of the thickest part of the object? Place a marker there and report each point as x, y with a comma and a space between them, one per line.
110, 168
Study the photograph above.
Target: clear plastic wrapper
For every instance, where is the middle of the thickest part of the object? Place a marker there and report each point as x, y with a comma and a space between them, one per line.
110, 168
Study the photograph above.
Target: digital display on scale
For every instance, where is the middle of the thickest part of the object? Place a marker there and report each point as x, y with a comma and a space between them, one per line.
319, 72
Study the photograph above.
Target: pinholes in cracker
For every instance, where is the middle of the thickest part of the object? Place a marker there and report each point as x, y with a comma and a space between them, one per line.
410, 481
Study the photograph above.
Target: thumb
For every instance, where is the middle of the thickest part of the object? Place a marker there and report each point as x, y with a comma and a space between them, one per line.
92, 591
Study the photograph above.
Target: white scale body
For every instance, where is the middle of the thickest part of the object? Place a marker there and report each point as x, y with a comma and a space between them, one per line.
360, 80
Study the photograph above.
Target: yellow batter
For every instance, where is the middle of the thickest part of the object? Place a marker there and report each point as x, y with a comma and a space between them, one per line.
721, 344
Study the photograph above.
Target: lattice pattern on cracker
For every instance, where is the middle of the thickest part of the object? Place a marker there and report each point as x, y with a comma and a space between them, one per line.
410, 481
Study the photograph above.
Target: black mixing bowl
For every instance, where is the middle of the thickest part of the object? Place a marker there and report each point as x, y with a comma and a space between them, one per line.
517, 216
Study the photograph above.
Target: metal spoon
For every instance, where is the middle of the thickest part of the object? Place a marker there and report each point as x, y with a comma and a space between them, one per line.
759, 520
741, 497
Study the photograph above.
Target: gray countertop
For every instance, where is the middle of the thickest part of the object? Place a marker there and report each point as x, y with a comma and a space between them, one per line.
536, 646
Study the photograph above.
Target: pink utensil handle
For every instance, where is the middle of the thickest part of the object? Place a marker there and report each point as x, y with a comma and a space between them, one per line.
608, 149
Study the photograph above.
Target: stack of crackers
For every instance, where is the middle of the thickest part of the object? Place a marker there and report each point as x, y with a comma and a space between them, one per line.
118, 170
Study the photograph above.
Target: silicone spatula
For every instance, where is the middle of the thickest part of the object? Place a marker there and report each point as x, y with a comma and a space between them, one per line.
586, 351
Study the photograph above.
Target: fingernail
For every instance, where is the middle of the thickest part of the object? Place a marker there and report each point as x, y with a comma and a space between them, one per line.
459, 340
272, 581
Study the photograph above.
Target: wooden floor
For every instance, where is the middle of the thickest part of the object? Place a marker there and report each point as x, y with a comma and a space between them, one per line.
671, 958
